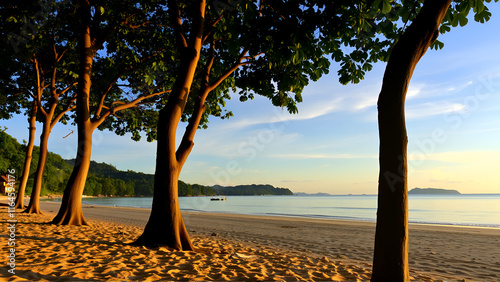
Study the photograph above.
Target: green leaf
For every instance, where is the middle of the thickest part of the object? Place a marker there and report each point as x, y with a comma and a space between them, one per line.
483, 16
478, 7
444, 28
386, 6
462, 20
437, 45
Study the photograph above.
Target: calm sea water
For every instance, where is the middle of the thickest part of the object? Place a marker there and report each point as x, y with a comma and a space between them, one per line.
467, 210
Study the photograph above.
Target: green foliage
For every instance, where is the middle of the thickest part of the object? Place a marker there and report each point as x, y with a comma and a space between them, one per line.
288, 46
133, 60
186, 189
40, 53
390, 14
11, 154
251, 190
93, 186
280, 48
458, 15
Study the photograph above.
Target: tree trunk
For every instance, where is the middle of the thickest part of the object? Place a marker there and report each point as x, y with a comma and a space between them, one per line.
34, 204
28, 158
390, 261
165, 226
70, 212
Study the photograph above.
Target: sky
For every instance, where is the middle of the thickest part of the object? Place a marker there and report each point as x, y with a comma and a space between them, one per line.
331, 146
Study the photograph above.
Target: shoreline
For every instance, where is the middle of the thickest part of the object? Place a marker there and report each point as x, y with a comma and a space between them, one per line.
436, 252
298, 216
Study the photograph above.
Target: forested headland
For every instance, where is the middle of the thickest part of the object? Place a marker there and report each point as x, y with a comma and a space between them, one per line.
253, 189
105, 179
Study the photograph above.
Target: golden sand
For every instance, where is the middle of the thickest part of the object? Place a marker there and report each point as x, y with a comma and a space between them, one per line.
100, 252
45, 252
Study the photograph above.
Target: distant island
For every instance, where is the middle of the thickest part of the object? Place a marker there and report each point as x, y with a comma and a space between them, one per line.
414, 191
250, 190
432, 191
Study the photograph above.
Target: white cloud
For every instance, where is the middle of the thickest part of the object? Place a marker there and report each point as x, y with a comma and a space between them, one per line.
428, 109
414, 90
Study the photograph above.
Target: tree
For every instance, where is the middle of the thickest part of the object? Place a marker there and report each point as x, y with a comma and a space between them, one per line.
41, 72
268, 48
10, 104
390, 261
29, 156
50, 116
117, 29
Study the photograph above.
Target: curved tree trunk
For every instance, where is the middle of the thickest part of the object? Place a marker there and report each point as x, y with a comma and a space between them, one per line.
165, 226
28, 158
70, 212
34, 204
390, 261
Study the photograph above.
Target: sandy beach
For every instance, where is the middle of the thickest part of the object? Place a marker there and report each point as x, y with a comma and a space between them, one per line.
234, 247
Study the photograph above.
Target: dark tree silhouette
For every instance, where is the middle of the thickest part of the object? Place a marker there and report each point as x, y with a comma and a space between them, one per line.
390, 261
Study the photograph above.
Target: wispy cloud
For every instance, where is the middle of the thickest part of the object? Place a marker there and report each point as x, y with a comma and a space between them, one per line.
322, 156
277, 115
428, 109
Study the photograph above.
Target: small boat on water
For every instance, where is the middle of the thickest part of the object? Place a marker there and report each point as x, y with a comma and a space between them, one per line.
218, 198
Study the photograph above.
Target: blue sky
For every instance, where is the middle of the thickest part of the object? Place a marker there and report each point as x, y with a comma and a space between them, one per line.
453, 123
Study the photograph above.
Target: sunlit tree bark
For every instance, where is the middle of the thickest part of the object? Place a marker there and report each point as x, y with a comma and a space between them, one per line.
165, 225
28, 157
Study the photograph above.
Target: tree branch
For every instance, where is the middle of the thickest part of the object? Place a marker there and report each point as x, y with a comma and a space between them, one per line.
231, 70
39, 87
197, 40
175, 13
210, 32
137, 25
68, 88
66, 109
124, 106
115, 79
195, 119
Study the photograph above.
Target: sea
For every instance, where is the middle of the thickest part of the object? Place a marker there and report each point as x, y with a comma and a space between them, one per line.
480, 210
